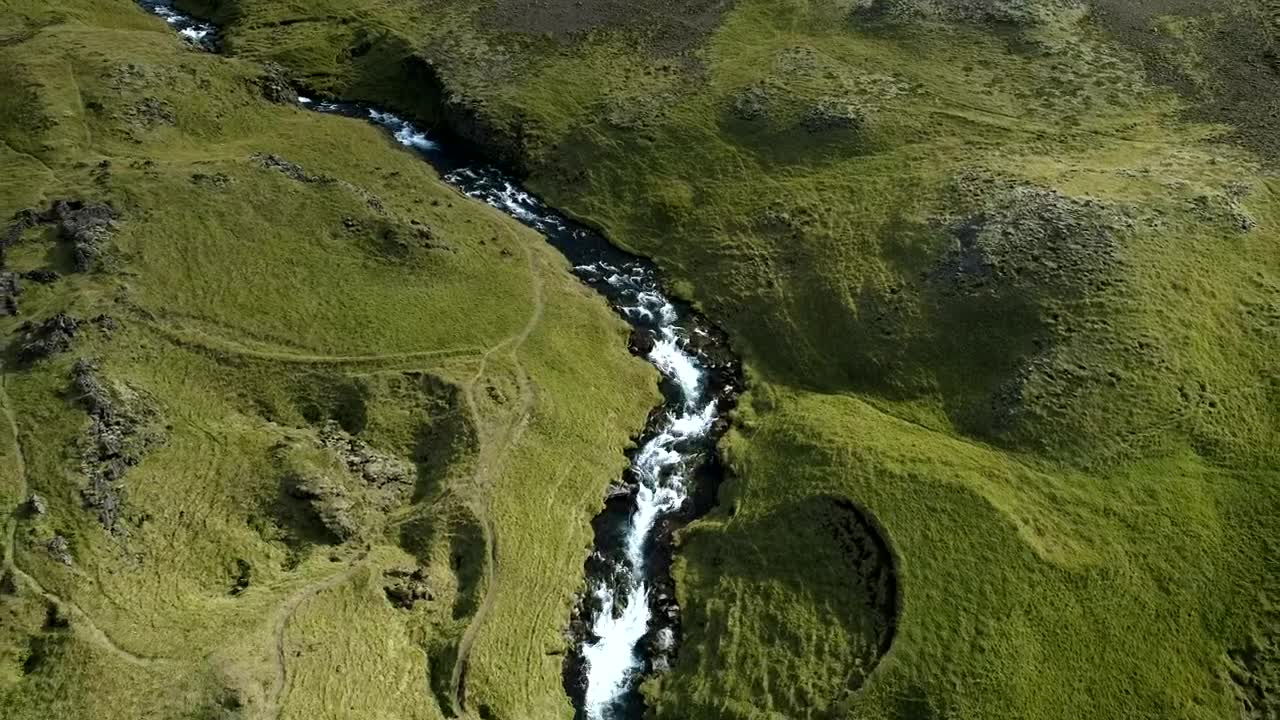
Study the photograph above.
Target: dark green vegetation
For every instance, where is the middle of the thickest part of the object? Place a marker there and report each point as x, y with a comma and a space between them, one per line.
274, 399
1004, 272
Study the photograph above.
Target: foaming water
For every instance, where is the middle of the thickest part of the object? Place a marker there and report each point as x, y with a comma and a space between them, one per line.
627, 625
199, 34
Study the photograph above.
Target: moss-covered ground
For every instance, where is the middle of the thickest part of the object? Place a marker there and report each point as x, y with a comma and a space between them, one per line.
1005, 275
332, 403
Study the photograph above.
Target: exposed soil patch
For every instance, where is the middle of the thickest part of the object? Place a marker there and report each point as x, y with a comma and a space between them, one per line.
670, 26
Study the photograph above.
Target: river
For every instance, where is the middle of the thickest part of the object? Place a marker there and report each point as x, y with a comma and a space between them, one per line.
626, 625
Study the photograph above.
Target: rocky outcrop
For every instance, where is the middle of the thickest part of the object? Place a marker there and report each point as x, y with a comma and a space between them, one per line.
87, 226
59, 549
1031, 240
390, 477
10, 289
344, 485
830, 114
274, 85
42, 276
124, 426
51, 337
291, 170
406, 587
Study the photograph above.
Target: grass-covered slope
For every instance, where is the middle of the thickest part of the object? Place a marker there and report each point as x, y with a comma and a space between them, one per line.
1005, 274
284, 416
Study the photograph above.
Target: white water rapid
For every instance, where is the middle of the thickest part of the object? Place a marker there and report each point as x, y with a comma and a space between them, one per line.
661, 468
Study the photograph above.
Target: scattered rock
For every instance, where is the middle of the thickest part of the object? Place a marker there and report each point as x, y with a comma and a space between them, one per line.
406, 587
1031, 240
833, 113
752, 102
216, 181
244, 575
124, 427
291, 170
59, 549
496, 395
36, 505
275, 86
42, 276
10, 289
49, 338
106, 324
150, 113
378, 470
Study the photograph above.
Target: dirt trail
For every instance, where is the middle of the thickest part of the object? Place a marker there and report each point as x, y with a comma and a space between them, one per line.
493, 447
284, 614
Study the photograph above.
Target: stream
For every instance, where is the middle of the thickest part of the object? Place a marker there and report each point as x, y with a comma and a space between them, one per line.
627, 625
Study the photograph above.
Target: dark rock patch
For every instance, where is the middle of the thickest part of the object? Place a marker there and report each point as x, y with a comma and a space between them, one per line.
274, 85
1027, 239
405, 587
42, 276
668, 26
10, 289
752, 103
832, 113
1223, 59
36, 505
291, 170
1254, 670
150, 113
244, 576
51, 337
59, 549
215, 181
124, 426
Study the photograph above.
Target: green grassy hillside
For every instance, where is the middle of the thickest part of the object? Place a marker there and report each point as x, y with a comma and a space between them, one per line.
279, 405
1005, 275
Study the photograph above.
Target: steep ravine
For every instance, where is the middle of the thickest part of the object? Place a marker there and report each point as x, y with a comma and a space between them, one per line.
627, 624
